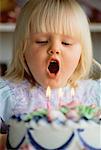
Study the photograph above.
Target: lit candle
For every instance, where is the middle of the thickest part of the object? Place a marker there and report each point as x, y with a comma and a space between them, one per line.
60, 94
73, 103
48, 95
72, 93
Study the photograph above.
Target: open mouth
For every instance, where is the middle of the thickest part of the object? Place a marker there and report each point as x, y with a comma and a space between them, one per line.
53, 67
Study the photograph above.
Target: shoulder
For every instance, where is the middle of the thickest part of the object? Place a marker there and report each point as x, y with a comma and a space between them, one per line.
92, 84
90, 91
6, 98
10, 95
9, 88
4, 89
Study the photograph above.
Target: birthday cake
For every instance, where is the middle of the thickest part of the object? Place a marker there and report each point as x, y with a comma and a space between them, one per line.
66, 128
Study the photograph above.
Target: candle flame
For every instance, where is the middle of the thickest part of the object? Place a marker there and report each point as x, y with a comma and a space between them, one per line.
48, 92
60, 93
72, 92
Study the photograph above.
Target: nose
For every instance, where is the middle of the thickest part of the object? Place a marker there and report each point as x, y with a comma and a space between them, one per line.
54, 46
54, 51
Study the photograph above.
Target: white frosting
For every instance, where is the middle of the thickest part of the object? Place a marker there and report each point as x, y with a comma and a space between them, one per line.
54, 134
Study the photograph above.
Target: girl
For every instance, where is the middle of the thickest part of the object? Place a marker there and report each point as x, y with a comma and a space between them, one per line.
52, 47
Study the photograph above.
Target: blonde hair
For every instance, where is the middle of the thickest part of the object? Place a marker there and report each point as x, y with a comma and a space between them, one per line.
58, 16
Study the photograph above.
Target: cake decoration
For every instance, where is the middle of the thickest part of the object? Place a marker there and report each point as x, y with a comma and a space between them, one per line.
67, 126
58, 132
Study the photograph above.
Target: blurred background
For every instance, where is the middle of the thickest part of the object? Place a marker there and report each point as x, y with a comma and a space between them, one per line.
9, 11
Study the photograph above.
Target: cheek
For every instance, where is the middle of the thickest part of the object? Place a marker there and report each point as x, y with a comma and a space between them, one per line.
35, 61
76, 56
72, 58
30, 59
76, 53
31, 54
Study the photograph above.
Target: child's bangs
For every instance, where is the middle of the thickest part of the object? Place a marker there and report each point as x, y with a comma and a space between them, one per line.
55, 20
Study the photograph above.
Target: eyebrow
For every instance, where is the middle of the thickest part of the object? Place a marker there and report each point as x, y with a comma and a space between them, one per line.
44, 34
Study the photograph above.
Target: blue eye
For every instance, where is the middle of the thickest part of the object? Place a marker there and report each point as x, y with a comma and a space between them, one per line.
65, 43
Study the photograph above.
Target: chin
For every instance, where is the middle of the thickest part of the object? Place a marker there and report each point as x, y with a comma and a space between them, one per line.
55, 84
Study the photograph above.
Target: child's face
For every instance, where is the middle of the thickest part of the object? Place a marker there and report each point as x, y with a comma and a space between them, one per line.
52, 58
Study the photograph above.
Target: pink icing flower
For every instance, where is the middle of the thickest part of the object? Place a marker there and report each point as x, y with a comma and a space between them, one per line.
73, 104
